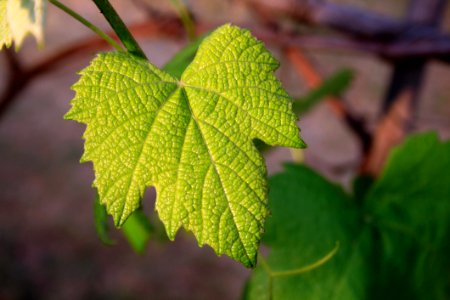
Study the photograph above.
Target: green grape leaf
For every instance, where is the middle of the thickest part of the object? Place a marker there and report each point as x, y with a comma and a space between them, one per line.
394, 234
190, 138
309, 217
19, 18
101, 223
410, 204
137, 229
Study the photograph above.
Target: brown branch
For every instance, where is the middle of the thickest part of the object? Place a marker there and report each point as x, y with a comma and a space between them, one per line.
400, 104
20, 77
346, 19
320, 13
17, 80
408, 73
14, 65
363, 30
169, 26
397, 50
160, 27
390, 131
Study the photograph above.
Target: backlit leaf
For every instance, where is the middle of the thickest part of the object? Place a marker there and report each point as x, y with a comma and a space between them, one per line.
191, 138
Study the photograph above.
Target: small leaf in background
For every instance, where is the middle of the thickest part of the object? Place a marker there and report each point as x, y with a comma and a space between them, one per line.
361, 186
410, 203
101, 222
190, 138
180, 61
309, 216
138, 230
19, 18
5, 32
334, 85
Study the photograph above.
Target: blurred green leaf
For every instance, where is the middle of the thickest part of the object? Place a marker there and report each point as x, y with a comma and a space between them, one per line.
334, 85
101, 222
138, 230
395, 247
309, 216
361, 186
179, 62
411, 206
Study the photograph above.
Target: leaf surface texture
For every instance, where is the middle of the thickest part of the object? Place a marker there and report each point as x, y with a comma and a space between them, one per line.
191, 138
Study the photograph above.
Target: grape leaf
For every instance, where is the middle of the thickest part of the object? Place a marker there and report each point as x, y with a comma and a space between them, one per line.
19, 18
138, 230
410, 204
190, 138
101, 223
393, 245
309, 216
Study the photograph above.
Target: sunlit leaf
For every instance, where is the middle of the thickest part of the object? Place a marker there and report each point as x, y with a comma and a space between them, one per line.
190, 138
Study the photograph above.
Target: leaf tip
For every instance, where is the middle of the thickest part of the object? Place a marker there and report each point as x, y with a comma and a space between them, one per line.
119, 218
68, 116
301, 144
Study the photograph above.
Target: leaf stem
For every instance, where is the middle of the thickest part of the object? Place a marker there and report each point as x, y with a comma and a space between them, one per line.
120, 28
310, 267
301, 270
274, 274
88, 24
185, 17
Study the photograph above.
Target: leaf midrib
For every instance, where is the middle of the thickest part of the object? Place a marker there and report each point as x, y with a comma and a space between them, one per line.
194, 118
141, 151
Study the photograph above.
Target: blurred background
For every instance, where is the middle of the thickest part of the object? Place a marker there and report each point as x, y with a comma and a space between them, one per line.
368, 72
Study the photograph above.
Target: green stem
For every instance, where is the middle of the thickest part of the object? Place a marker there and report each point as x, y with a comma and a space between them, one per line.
301, 270
185, 17
88, 24
264, 264
119, 28
266, 268
310, 267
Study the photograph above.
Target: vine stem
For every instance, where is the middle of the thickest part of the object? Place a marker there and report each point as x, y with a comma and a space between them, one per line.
186, 18
310, 267
88, 24
274, 274
120, 28
300, 270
